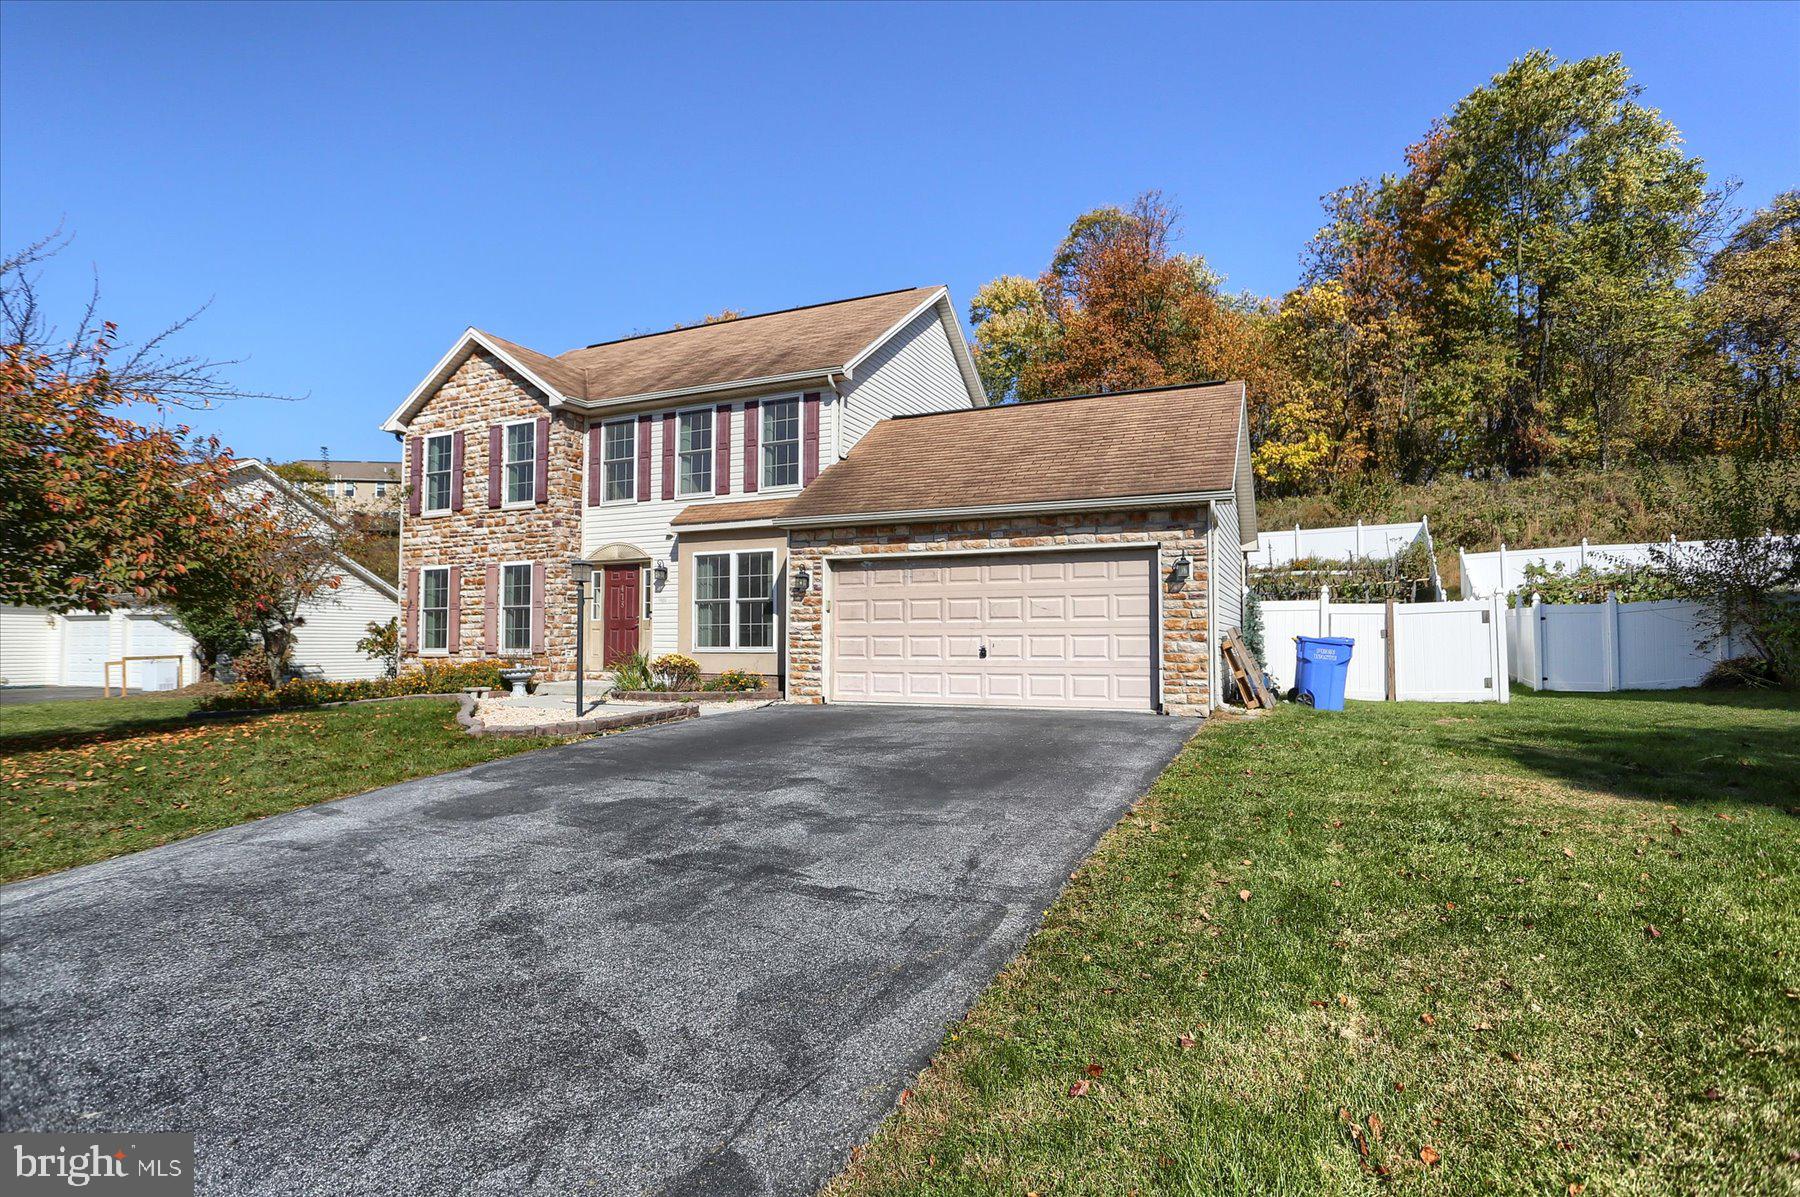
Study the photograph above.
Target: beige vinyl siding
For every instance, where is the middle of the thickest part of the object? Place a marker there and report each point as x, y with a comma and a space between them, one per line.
648, 527
696, 543
914, 372
30, 647
1228, 571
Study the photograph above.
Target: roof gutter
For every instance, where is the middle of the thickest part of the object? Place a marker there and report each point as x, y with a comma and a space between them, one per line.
1047, 507
824, 374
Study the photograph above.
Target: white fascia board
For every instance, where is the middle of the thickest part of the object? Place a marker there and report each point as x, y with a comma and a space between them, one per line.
771, 382
471, 337
724, 526
1055, 507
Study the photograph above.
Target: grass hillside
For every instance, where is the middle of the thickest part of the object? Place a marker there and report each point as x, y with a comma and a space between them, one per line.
1605, 506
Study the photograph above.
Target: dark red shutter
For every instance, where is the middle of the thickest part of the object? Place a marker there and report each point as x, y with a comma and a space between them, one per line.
542, 441
455, 637
668, 486
596, 467
722, 450
456, 471
490, 612
412, 610
752, 424
809, 439
537, 607
495, 464
645, 423
415, 472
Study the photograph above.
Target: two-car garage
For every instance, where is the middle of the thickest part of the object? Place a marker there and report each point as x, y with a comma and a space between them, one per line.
1050, 629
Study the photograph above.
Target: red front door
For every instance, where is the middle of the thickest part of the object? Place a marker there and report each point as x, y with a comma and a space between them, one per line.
623, 610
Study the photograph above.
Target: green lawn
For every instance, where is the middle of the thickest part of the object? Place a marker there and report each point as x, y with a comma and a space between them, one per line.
1553, 947
83, 781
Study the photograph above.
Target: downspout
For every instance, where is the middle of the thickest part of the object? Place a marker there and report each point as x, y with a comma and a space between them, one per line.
1212, 607
837, 419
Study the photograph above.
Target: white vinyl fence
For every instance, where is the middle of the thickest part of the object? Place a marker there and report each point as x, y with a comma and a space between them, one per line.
1442, 652
1611, 645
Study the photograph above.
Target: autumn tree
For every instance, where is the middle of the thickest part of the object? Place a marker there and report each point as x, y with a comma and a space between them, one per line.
1749, 311
1117, 309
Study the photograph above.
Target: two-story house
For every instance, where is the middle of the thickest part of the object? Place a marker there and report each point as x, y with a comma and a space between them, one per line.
822, 495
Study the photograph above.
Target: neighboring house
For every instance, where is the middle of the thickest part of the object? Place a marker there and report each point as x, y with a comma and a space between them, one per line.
372, 486
44, 648
821, 495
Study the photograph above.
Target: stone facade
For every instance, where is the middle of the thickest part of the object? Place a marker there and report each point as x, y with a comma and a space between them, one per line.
1184, 642
484, 391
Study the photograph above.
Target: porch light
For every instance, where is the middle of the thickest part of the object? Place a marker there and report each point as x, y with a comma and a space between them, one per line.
661, 573
802, 580
1181, 570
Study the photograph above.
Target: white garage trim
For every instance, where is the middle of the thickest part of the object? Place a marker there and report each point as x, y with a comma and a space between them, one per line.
1074, 661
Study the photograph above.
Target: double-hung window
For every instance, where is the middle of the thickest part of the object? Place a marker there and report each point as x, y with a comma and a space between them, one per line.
437, 472
694, 449
434, 609
515, 608
618, 455
521, 462
781, 443
734, 600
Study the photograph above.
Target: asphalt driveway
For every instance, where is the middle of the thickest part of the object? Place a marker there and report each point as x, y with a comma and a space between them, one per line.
700, 958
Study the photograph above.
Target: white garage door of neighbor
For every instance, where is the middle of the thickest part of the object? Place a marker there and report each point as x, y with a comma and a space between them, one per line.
85, 641
1018, 630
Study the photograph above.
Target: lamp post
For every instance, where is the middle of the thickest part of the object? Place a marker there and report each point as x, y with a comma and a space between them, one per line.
582, 572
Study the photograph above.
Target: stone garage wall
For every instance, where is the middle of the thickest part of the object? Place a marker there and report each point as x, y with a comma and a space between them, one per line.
1184, 641
485, 391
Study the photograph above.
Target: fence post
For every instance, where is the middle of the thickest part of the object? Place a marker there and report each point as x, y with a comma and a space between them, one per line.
1538, 641
1609, 642
1581, 561
1393, 681
1504, 584
1357, 555
1324, 610
1502, 650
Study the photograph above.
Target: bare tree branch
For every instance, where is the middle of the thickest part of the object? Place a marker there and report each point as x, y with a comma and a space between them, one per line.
146, 371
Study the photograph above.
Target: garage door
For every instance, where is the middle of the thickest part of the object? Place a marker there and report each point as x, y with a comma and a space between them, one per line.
85, 641
1019, 630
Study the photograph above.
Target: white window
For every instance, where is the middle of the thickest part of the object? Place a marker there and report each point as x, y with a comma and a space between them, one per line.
521, 462
734, 600
349, 490
781, 443
437, 472
515, 609
618, 453
381, 490
693, 448
434, 609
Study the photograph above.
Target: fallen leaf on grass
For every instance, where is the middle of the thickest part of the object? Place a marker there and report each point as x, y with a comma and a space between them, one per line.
1712, 1094
1243, 895
1569, 852
1428, 1020
1652, 932
1094, 1070
1429, 1154
1375, 1126
1184, 1041
1576, 1188
1080, 1088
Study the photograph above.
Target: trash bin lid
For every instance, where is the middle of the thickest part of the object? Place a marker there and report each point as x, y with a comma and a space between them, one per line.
1339, 641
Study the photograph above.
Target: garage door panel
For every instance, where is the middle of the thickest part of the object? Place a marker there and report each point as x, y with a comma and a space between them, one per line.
1061, 630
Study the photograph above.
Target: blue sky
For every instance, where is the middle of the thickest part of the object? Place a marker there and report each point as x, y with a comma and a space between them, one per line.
352, 185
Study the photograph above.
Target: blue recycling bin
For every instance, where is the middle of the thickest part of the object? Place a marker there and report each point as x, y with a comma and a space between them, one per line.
1321, 666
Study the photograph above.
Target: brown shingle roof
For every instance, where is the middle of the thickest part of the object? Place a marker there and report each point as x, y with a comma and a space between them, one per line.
729, 513
822, 337
1174, 440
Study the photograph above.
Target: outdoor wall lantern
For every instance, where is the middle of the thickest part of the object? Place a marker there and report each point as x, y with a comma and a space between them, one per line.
802, 580
1181, 570
662, 574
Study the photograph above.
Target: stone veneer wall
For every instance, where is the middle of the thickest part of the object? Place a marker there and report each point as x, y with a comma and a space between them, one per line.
1184, 641
485, 391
